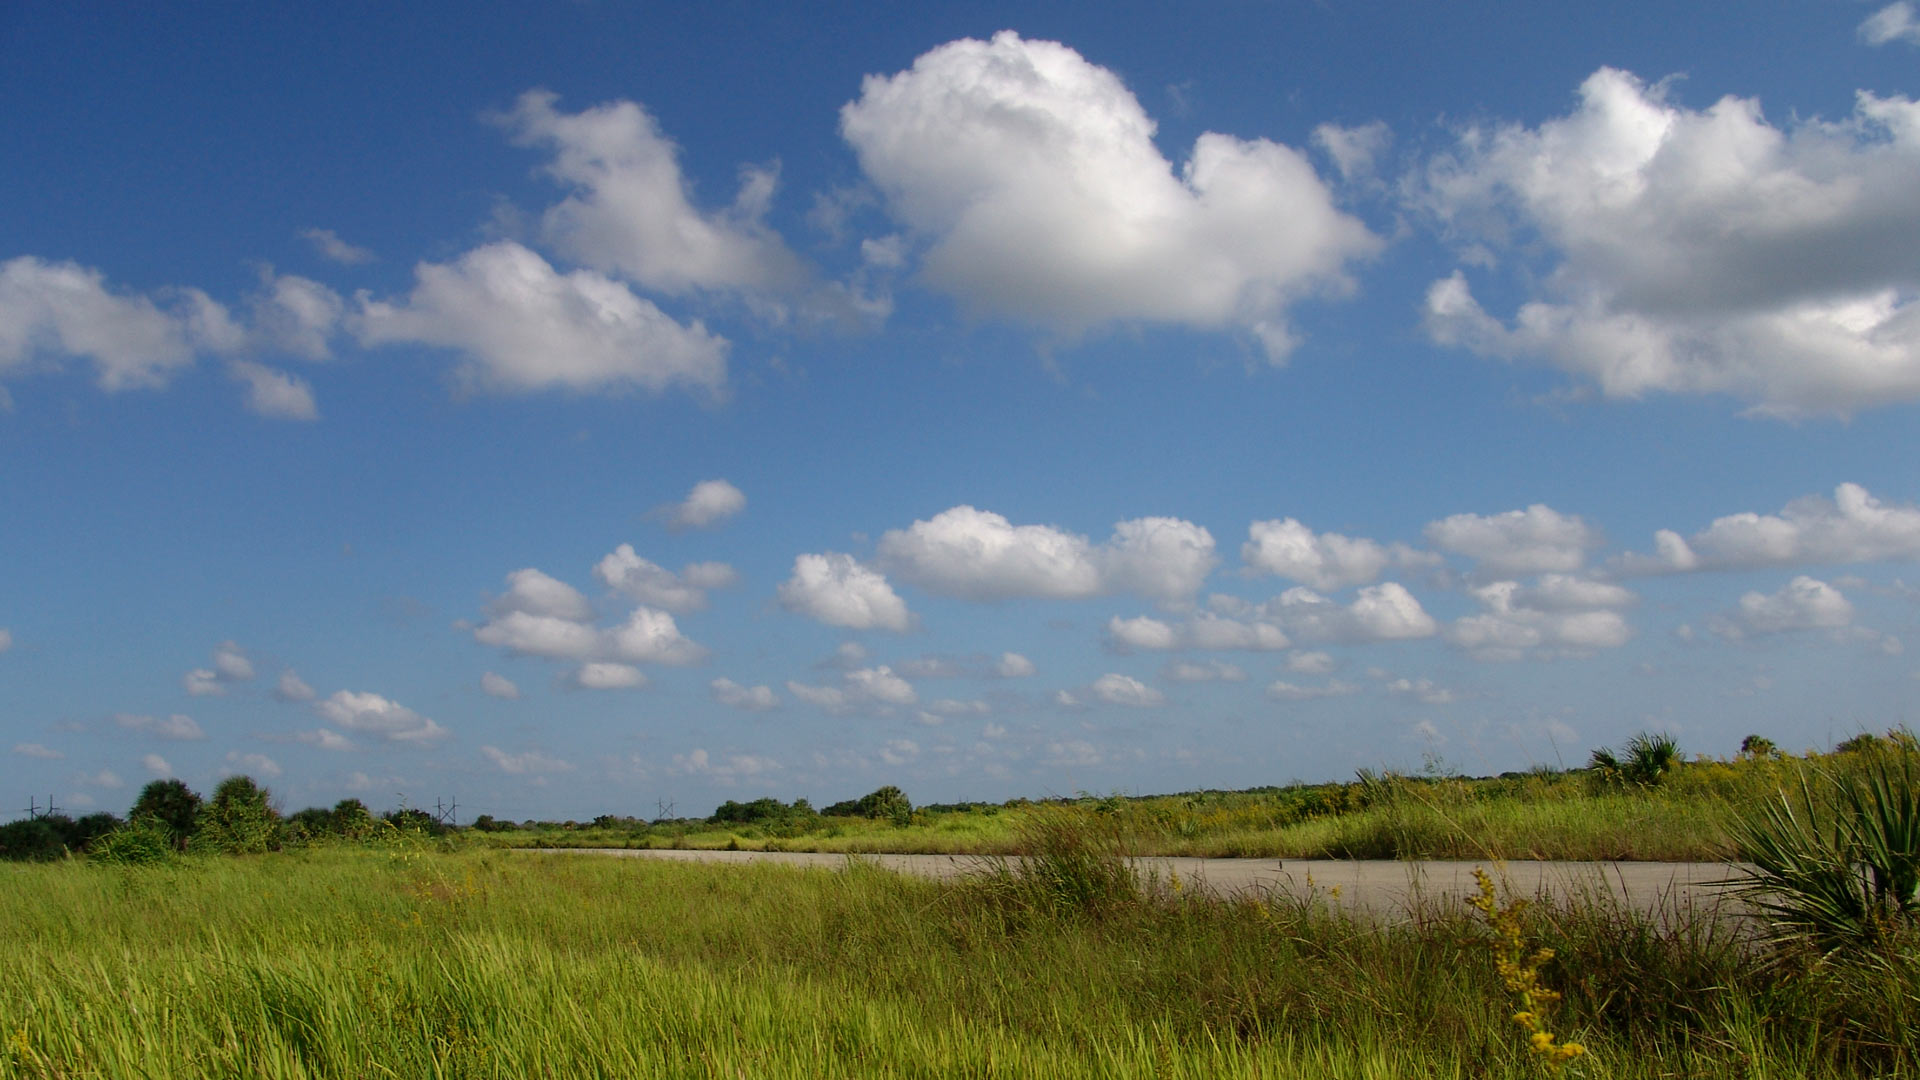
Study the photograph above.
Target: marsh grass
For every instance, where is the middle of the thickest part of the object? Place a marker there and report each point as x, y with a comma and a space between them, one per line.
355, 961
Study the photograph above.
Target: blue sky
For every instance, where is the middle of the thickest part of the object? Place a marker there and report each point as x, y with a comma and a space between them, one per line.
571, 410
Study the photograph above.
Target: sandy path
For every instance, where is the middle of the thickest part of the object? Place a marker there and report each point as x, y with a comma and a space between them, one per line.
1376, 885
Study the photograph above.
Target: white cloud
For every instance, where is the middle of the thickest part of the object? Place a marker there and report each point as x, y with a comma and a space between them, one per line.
629, 210
36, 750
53, 310
956, 707
177, 726
1142, 632
837, 590
1282, 690
499, 686
156, 765
1033, 177
1426, 690
294, 315
275, 393
708, 504
729, 770
1013, 666
603, 675
291, 687
252, 765
231, 663
875, 688
522, 326
1895, 22
980, 555
1536, 540
105, 778
1852, 527
710, 575
652, 637
1115, 689
539, 635
325, 739
1383, 612
1204, 630
1326, 562
1697, 251
371, 714
1558, 616
750, 698
329, 245
532, 592
530, 762
1355, 151
1802, 604
202, 682
1310, 663
649, 583
1203, 671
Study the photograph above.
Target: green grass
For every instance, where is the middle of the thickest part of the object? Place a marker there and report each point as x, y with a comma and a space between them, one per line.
363, 962
1576, 815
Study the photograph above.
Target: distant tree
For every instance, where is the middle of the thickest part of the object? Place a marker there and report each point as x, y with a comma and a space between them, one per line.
239, 819
1758, 746
888, 802
351, 818
171, 803
33, 839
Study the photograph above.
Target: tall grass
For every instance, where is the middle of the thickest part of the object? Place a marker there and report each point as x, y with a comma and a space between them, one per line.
337, 962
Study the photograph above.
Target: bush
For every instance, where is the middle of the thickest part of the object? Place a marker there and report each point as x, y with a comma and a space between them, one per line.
1648, 760
140, 842
888, 802
171, 803
31, 840
239, 819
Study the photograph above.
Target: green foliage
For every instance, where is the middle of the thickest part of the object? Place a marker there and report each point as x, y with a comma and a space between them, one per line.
1070, 865
238, 820
1758, 746
143, 841
171, 803
52, 837
888, 803
1646, 760
1836, 865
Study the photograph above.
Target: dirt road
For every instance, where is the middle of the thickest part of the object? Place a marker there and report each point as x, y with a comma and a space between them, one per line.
1381, 887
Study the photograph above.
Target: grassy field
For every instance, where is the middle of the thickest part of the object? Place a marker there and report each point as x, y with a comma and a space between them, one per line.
1545, 815
406, 960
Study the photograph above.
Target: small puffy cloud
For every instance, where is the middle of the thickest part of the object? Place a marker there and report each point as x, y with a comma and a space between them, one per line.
177, 726
1895, 22
837, 590
727, 770
36, 750
548, 636
50, 311
522, 326
1536, 540
202, 682
526, 763
1116, 689
1202, 671
105, 778
330, 246
371, 714
532, 592
652, 637
1326, 562
1852, 527
1282, 690
1426, 691
875, 688
156, 765
275, 393
1310, 663
956, 707
1033, 178
979, 555
931, 667
325, 739
604, 675
1802, 604
1558, 616
251, 765
294, 315
707, 505
291, 687
1383, 612
1695, 251
624, 570
1354, 151
710, 575
749, 698
231, 663
628, 210
1012, 665
1142, 633
499, 686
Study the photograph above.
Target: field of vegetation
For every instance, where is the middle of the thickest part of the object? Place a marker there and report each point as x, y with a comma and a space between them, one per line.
226, 941
1643, 802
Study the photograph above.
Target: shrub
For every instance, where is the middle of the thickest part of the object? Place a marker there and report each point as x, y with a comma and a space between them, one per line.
31, 840
140, 842
1646, 760
239, 819
1758, 746
171, 803
1838, 869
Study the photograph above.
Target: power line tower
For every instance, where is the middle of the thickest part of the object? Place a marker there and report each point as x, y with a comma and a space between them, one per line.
447, 814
